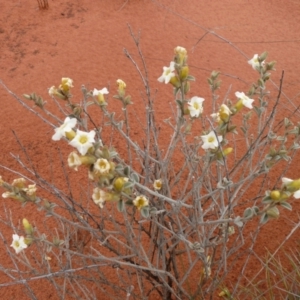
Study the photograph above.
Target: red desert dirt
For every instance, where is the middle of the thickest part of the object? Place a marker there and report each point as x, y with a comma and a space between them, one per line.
87, 40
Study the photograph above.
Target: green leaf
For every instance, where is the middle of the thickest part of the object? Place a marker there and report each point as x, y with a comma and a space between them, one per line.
120, 124
248, 213
26, 96
127, 171
255, 210
176, 90
257, 110
272, 135
113, 153
286, 205
128, 184
286, 158
209, 80
214, 74
153, 210
267, 200
145, 211
281, 138
237, 221
261, 83
119, 168
244, 130
263, 56
295, 146
264, 219
135, 177
190, 78
90, 103
179, 102
287, 123
120, 205
294, 131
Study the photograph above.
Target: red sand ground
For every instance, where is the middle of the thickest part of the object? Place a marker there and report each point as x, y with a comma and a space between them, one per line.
84, 40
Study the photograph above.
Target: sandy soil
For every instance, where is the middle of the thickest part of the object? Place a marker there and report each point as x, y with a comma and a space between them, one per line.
84, 40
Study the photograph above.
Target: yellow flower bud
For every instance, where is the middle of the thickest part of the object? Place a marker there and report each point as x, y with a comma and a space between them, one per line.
61, 95
101, 100
87, 160
27, 226
294, 186
180, 55
239, 105
186, 111
186, 87
121, 87
70, 135
275, 195
222, 294
225, 293
28, 241
226, 151
66, 84
119, 183
224, 113
77, 111
183, 73
175, 81
273, 212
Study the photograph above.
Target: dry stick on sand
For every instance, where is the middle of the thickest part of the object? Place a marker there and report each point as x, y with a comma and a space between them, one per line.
43, 4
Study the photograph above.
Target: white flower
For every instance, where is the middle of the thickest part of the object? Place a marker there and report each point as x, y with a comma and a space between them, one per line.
52, 91
216, 117
195, 106
246, 100
140, 202
254, 62
292, 186
8, 194
66, 84
157, 185
224, 109
286, 181
102, 165
168, 73
99, 197
210, 141
30, 190
18, 243
91, 175
121, 84
181, 54
180, 50
74, 160
19, 183
83, 141
297, 194
102, 92
67, 81
65, 127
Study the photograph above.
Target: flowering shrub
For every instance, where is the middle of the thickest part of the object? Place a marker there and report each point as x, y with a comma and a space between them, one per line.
175, 221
